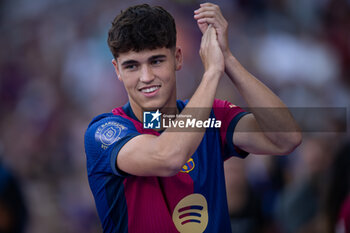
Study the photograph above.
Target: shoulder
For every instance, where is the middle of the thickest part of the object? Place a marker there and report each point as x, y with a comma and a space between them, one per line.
106, 128
110, 119
225, 109
218, 103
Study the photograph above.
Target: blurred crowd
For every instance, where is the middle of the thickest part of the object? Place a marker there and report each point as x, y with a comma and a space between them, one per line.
56, 75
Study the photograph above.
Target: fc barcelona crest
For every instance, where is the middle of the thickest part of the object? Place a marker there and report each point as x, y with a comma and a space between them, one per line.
188, 166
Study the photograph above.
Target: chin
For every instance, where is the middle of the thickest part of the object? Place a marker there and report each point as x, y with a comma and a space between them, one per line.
153, 105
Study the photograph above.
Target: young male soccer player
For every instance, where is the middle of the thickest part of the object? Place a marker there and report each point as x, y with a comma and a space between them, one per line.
145, 180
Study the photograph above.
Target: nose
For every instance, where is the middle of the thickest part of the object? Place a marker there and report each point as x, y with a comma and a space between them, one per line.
147, 75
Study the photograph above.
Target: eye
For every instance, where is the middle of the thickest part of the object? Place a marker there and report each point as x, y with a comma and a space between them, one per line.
156, 61
130, 67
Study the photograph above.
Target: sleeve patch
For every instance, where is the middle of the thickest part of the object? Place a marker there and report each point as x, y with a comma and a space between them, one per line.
108, 133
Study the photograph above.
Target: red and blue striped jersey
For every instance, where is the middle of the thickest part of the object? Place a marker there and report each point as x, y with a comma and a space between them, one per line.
193, 200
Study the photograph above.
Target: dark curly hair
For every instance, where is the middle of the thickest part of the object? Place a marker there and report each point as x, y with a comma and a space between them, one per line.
141, 27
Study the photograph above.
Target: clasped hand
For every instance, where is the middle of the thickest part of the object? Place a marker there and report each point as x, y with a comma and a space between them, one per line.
210, 52
214, 44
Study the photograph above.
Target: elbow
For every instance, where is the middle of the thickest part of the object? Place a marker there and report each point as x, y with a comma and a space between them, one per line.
291, 143
296, 140
170, 168
171, 171
170, 162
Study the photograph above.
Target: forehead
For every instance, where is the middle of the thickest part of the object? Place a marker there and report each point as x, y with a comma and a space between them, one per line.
143, 55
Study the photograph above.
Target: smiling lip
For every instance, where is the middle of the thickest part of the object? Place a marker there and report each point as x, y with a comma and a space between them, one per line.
150, 91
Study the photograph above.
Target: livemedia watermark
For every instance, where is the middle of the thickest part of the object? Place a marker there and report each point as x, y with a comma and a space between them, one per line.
308, 119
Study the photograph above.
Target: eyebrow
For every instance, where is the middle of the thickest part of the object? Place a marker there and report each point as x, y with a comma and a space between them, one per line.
156, 57
130, 62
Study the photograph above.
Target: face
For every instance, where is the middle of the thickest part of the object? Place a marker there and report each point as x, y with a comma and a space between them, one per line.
149, 77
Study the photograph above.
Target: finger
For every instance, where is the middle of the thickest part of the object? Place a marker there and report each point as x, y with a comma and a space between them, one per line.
210, 14
202, 27
204, 41
211, 32
203, 9
208, 4
212, 37
206, 34
207, 21
208, 31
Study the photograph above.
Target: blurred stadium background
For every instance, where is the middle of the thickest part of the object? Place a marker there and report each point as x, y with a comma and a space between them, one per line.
56, 74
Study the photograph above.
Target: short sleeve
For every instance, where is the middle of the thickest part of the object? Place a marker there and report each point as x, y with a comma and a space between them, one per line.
104, 138
229, 115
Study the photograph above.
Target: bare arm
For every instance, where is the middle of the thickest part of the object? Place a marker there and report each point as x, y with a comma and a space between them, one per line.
148, 155
255, 133
271, 128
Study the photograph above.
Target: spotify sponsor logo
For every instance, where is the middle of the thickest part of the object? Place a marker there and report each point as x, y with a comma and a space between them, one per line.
191, 214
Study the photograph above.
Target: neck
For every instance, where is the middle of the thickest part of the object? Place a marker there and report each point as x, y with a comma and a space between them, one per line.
169, 109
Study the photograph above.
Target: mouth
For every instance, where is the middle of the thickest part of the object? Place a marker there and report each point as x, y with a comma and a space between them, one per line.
149, 89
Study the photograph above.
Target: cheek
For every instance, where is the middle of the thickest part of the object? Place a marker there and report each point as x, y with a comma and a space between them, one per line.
129, 81
169, 74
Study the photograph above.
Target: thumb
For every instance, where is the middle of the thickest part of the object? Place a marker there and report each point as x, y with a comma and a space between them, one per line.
202, 26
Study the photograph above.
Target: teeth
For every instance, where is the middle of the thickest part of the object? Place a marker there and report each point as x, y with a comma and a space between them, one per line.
151, 89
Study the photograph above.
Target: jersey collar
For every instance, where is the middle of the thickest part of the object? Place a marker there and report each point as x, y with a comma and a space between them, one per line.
128, 110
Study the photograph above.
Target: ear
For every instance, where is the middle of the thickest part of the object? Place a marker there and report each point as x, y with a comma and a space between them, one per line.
178, 58
116, 68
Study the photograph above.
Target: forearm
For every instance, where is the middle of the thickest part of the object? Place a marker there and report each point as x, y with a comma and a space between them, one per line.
177, 144
271, 114
254, 92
